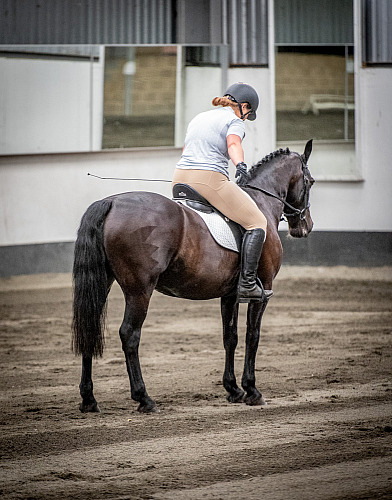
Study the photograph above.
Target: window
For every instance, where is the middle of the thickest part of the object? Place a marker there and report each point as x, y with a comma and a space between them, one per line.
139, 96
315, 93
59, 99
86, 98
314, 83
50, 99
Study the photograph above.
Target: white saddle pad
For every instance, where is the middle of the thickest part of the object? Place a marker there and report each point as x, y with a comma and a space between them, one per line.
219, 228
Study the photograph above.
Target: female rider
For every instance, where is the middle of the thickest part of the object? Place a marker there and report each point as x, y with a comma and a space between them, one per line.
213, 137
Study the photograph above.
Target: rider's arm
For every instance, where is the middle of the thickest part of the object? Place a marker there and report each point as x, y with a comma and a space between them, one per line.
234, 149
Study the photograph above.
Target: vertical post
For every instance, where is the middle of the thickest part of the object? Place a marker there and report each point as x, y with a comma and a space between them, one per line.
271, 66
91, 98
346, 93
180, 104
358, 59
224, 48
129, 71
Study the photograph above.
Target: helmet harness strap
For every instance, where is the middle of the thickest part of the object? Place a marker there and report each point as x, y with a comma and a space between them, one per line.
243, 115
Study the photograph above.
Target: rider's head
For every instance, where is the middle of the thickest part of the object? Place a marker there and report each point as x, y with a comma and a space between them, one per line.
242, 93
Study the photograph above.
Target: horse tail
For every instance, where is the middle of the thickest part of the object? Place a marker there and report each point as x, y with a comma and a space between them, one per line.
92, 279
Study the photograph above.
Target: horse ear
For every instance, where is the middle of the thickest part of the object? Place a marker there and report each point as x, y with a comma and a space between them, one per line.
308, 150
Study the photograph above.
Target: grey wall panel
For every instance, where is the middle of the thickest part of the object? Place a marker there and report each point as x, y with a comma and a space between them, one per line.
377, 31
247, 31
194, 20
313, 22
85, 22
243, 24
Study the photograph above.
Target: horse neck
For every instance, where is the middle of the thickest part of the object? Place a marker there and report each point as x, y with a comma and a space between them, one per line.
277, 174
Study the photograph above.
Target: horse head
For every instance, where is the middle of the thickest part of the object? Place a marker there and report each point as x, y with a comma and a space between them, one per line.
298, 215
285, 175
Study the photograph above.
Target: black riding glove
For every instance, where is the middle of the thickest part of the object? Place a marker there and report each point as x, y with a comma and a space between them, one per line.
242, 174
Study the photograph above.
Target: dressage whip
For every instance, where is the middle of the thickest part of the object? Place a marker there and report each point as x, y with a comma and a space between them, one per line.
127, 178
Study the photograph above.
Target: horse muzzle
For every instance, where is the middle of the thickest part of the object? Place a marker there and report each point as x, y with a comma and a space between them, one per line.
301, 228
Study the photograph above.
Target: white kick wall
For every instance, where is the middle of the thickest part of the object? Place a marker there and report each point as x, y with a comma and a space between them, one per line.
44, 197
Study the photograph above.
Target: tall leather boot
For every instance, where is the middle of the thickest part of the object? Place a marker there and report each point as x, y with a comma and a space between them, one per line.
248, 288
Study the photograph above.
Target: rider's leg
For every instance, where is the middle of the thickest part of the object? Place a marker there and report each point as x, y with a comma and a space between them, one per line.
238, 206
252, 246
224, 195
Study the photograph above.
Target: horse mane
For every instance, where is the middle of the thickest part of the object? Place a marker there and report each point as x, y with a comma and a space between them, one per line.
252, 172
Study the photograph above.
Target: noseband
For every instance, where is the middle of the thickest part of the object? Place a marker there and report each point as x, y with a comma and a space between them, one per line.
305, 193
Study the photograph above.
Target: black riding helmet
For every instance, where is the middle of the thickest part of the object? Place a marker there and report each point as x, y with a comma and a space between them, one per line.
242, 92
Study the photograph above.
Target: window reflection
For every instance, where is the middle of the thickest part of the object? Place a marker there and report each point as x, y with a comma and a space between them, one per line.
315, 93
139, 97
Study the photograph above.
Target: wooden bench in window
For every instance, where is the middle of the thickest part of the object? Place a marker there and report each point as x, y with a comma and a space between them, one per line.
328, 101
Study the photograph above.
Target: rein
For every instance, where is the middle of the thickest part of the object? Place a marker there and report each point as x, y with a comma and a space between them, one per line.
296, 211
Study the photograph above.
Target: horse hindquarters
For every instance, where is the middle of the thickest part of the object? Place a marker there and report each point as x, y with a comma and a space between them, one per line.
139, 246
92, 281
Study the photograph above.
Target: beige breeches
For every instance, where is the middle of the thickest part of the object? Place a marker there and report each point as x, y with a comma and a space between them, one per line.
224, 195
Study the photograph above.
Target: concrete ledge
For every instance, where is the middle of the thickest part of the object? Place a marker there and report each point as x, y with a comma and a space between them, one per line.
321, 248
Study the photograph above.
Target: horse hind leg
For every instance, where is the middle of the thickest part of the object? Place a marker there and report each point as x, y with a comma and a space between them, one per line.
130, 333
88, 404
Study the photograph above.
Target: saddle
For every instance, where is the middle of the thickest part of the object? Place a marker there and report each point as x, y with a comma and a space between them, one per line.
225, 232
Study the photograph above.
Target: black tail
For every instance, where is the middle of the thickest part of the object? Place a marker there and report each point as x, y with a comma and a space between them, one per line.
92, 281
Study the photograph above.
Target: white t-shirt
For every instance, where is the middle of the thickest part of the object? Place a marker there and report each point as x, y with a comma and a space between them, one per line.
206, 140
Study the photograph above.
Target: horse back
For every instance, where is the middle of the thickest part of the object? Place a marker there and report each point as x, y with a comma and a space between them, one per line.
151, 241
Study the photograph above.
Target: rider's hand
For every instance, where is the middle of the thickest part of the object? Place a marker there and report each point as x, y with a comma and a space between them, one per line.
242, 174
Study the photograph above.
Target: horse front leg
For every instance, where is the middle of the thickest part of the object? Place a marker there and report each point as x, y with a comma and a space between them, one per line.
130, 333
254, 315
229, 312
88, 403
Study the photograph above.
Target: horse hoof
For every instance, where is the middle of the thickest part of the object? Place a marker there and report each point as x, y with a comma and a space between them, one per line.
90, 408
236, 398
148, 409
255, 401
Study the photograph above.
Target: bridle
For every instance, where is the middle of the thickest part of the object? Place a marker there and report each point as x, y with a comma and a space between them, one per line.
304, 195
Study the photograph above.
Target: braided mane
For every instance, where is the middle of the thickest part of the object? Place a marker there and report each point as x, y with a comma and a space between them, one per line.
252, 172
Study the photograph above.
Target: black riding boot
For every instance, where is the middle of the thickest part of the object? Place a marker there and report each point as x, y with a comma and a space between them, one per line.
248, 288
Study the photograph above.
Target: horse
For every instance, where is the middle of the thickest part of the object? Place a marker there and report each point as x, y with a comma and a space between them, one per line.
148, 242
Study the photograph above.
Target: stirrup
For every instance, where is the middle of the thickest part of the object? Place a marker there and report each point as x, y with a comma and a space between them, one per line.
264, 294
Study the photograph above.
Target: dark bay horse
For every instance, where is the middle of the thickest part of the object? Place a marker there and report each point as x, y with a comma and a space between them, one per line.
148, 242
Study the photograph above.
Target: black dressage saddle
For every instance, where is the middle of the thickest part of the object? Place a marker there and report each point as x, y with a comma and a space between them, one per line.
194, 200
